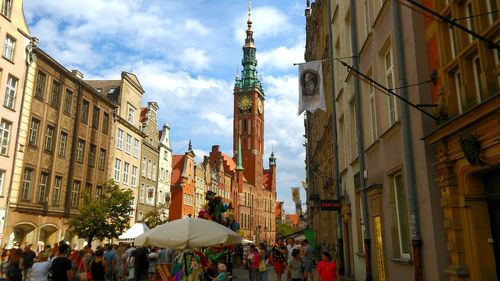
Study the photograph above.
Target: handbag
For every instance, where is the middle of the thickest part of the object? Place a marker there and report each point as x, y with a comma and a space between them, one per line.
262, 266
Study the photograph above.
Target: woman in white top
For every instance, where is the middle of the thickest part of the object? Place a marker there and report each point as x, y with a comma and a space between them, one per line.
40, 269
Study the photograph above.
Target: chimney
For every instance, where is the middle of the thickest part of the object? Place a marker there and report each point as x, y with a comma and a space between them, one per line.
77, 73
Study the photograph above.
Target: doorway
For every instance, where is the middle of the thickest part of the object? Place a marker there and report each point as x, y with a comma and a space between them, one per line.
492, 187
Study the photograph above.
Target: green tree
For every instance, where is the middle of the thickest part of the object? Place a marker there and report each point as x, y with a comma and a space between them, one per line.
285, 230
156, 216
104, 217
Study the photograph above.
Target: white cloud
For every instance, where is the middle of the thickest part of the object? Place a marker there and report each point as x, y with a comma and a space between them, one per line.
195, 25
282, 57
267, 22
194, 58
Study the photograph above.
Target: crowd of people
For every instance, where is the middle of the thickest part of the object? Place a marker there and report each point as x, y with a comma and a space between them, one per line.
291, 261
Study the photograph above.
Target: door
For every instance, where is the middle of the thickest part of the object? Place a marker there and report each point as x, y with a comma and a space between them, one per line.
492, 185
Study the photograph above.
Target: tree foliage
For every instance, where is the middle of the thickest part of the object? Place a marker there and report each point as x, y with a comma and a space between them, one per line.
285, 230
104, 217
156, 216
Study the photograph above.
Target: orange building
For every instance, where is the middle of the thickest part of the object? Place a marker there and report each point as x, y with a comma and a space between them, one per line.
182, 185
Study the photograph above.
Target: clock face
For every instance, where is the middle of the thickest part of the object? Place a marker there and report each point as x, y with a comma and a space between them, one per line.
260, 106
245, 102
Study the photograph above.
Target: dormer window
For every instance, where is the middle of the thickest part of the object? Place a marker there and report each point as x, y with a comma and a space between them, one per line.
112, 90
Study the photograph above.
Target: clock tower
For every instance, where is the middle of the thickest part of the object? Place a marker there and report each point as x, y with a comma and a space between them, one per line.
248, 129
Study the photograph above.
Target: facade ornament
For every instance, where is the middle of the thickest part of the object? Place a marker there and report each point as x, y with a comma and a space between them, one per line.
30, 54
471, 148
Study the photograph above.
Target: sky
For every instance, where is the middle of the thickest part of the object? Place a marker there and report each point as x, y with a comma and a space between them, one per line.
186, 54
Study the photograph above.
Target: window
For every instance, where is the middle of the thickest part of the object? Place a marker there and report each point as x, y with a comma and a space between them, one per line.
367, 17
92, 151
390, 85
40, 85
154, 172
136, 148
128, 142
2, 181
88, 192
6, 6
63, 139
119, 139
68, 101
453, 46
493, 9
118, 164
130, 114
461, 98
476, 65
56, 192
79, 151
401, 211
5, 127
98, 193
144, 166
49, 138
105, 123
75, 194
126, 168
54, 96
42, 188
469, 13
151, 195
95, 117
102, 159
10, 92
27, 181
133, 181
9, 47
142, 193
373, 114
149, 169
33, 137
84, 116
352, 129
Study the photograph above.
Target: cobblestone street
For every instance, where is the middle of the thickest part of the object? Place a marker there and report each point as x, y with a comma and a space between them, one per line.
241, 274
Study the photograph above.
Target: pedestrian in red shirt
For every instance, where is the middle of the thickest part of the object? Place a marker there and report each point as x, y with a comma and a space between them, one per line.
327, 269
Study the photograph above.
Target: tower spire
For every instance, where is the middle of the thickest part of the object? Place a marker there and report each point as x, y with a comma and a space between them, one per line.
249, 40
249, 78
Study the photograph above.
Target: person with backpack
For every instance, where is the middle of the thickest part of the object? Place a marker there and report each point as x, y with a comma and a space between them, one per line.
98, 266
141, 263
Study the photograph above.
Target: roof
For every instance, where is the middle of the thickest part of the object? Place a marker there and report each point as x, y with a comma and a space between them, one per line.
294, 219
230, 164
144, 111
105, 88
177, 167
160, 133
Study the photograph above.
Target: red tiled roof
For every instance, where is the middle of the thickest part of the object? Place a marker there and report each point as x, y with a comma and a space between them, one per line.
294, 219
177, 167
229, 162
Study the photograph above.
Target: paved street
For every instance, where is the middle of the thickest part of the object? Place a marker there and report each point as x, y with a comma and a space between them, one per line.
241, 274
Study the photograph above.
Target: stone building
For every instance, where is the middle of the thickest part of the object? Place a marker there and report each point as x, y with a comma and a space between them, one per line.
466, 142
202, 182
182, 185
65, 153
148, 180
391, 220
127, 136
165, 168
16, 62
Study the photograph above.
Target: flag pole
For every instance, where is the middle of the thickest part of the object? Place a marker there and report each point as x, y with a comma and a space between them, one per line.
332, 59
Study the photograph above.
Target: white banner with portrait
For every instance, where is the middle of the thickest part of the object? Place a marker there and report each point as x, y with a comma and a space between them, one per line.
311, 92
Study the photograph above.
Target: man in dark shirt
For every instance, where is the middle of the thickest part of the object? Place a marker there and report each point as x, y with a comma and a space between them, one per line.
28, 260
61, 265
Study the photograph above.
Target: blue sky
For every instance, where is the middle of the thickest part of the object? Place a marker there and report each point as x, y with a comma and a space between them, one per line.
186, 55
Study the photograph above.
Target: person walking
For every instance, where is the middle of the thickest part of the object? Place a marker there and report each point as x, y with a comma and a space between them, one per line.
40, 269
15, 265
327, 269
255, 264
279, 260
98, 266
307, 260
61, 265
28, 261
141, 263
110, 257
294, 270
263, 261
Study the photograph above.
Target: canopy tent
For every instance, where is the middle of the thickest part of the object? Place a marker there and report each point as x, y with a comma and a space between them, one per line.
136, 230
188, 232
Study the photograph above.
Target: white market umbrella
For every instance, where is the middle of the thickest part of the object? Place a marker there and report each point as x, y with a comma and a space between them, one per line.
188, 232
136, 230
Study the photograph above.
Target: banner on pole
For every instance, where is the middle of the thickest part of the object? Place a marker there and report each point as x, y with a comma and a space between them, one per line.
295, 194
311, 93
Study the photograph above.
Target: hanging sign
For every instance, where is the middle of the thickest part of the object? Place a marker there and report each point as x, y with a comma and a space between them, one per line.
330, 205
